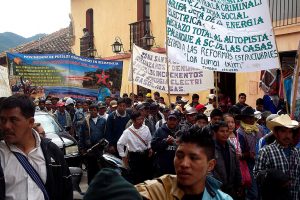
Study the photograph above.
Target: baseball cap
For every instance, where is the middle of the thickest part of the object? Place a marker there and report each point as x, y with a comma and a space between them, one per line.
200, 106
173, 114
113, 103
101, 104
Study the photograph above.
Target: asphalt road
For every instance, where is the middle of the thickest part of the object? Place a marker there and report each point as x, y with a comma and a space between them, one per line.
83, 186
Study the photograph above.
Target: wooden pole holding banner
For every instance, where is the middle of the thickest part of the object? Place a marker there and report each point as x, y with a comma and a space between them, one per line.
167, 56
295, 82
216, 79
131, 65
281, 79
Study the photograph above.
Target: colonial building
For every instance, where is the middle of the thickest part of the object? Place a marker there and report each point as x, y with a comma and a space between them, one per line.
124, 22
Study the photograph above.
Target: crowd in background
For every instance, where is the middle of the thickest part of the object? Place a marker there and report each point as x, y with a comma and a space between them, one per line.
142, 130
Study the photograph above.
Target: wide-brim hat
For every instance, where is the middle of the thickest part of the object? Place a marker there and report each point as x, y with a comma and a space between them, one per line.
282, 121
246, 111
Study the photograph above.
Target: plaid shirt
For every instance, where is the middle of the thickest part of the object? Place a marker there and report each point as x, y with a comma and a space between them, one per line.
273, 157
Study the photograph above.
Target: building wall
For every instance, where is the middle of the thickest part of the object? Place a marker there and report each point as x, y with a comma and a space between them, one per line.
112, 19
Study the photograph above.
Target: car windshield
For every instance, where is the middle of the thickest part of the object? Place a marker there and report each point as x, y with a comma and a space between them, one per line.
48, 123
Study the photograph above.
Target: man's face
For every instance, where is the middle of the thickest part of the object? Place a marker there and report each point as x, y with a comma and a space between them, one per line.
195, 100
40, 130
102, 110
138, 122
121, 108
215, 119
42, 106
48, 106
191, 165
172, 122
93, 112
260, 108
85, 106
201, 122
107, 100
284, 136
191, 118
15, 126
242, 99
222, 135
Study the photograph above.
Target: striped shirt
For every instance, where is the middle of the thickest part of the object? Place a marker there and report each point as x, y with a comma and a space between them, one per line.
273, 157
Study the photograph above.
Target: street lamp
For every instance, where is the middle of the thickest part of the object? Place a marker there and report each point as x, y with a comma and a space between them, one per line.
148, 40
117, 46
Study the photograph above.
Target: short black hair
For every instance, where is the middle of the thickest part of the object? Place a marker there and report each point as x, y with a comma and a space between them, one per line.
125, 95
195, 96
128, 101
22, 101
202, 116
135, 115
242, 94
140, 94
156, 94
216, 126
216, 112
259, 101
92, 106
202, 138
121, 100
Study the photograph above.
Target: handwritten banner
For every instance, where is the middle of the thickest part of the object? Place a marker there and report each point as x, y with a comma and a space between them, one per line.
66, 75
5, 90
150, 71
221, 35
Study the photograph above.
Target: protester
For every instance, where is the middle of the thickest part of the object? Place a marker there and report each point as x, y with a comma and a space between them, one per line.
70, 107
102, 110
190, 119
164, 145
137, 140
79, 118
165, 112
62, 116
92, 131
194, 160
259, 105
201, 120
112, 106
48, 106
227, 169
195, 100
281, 154
42, 105
115, 125
156, 97
241, 101
249, 134
200, 108
34, 167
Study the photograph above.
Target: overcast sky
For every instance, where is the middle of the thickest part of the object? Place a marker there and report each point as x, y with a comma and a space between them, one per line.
30, 17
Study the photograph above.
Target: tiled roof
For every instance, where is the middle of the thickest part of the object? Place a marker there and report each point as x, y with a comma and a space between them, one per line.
57, 42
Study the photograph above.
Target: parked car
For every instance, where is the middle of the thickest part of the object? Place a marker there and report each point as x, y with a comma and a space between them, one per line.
60, 137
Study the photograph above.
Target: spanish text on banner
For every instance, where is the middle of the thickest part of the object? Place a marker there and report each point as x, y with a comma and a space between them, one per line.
150, 71
221, 35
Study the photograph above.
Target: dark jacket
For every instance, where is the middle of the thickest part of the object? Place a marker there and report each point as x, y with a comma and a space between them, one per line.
91, 133
115, 126
231, 178
164, 152
59, 180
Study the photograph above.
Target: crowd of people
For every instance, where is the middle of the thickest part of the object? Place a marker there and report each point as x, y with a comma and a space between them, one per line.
219, 149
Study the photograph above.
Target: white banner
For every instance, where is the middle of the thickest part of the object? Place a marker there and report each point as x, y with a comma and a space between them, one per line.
150, 71
5, 90
221, 35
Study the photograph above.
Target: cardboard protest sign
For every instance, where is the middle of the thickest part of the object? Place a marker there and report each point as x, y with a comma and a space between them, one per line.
150, 71
225, 36
64, 75
5, 90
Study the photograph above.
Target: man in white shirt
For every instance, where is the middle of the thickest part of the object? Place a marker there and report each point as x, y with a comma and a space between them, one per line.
137, 140
22, 143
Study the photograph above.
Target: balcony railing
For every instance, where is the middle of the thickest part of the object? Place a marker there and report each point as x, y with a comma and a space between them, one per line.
284, 12
138, 30
87, 46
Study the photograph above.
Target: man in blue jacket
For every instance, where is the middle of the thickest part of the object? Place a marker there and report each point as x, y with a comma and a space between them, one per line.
164, 145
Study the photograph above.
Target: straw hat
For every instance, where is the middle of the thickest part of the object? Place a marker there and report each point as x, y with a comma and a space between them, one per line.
283, 121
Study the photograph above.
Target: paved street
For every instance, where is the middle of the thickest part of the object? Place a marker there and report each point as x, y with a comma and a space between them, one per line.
83, 186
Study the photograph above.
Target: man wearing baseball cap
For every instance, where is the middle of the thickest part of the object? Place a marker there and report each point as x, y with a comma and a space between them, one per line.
164, 145
282, 154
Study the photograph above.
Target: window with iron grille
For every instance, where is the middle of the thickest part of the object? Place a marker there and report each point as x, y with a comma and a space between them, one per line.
284, 12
